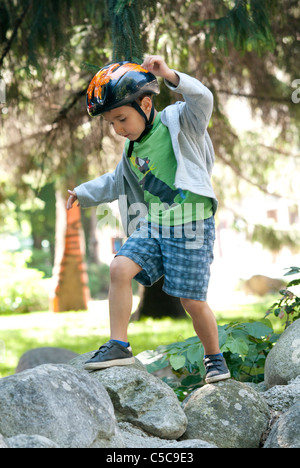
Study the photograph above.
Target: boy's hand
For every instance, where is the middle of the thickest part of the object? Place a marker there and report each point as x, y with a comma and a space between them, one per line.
156, 65
72, 199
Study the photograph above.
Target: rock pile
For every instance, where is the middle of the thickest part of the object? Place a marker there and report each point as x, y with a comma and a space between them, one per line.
63, 406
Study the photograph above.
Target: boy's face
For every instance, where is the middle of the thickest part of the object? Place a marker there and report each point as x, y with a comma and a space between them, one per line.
126, 121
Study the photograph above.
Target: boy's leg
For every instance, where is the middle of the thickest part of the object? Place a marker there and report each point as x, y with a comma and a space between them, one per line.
122, 271
205, 326
113, 353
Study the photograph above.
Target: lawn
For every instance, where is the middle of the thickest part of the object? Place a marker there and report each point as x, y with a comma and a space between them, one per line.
86, 331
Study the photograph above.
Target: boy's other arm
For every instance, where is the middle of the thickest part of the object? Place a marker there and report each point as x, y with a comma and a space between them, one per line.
72, 199
93, 193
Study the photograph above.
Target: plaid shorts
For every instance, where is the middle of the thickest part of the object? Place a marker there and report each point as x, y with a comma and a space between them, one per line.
182, 254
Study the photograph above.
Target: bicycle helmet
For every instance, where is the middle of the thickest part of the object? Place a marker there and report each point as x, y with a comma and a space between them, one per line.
121, 84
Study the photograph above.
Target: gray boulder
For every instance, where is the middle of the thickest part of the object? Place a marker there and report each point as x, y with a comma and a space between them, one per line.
30, 441
46, 355
141, 399
285, 432
135, 437
282, 397
262, 285
283, 361
79, 361
228, 414
2, 442
59, 403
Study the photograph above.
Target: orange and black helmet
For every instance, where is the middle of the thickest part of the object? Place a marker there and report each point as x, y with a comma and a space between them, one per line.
119, 84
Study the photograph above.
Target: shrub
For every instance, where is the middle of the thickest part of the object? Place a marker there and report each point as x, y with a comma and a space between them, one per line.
98, 279
22, 289
288, 307
245, 347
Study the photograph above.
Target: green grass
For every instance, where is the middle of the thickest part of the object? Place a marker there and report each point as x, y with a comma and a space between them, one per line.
86, 331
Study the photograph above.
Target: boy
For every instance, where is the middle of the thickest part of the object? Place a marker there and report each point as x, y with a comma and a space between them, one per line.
166, 167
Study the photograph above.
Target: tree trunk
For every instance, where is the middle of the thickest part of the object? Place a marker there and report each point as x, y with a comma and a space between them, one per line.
154, 302
70, 279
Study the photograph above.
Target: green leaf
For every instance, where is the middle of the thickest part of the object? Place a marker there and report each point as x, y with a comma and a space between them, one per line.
258, 329
236, 346
292, 271
295, 282
174, 350
191, 380
156, 365
195, 353
222, 336
192, 340
277, 311
177, 361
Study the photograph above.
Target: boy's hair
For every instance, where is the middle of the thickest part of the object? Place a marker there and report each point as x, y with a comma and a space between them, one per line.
140, 98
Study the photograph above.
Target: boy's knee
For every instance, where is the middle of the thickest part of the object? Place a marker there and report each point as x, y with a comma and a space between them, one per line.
123, 269
191, 304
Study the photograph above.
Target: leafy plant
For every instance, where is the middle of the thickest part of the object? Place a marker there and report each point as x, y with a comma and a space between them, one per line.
22, 289
245, 347
288, 306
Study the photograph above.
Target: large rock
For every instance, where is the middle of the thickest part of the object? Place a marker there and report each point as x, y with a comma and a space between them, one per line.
228, 414
262, 285
59, 403
285, 432
2, 442
282, 397
30, 441
137, 438
283, 361
142, 400
46, 355
79, 361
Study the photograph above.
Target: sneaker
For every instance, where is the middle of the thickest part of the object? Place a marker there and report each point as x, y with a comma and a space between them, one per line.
216, 368
109, 355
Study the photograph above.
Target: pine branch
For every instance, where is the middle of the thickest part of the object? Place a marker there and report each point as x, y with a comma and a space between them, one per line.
66, 109
15, 31
125, 18
246, 26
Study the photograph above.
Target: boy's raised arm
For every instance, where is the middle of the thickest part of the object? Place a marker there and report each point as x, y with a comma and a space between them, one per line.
157, 65
198, 97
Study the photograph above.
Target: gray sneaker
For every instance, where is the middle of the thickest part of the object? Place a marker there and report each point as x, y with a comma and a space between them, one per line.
109, 355
216, 368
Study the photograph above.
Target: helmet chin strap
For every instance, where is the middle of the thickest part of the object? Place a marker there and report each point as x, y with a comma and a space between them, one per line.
148, 126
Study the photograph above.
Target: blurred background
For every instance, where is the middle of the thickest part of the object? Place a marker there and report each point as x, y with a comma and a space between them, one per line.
246, 52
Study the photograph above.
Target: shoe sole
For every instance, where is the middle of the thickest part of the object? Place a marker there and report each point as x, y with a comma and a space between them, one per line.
106, 364
218, 378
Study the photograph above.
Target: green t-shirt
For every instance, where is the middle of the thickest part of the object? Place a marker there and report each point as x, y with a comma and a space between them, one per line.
153, 162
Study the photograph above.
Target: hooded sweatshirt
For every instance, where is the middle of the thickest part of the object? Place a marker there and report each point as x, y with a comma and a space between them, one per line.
187, 123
